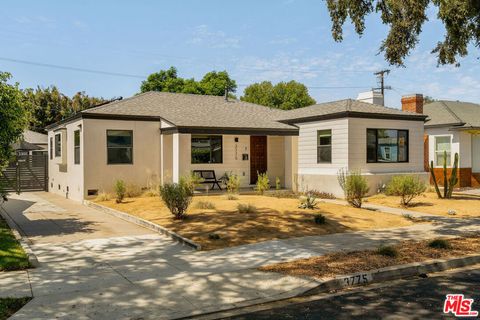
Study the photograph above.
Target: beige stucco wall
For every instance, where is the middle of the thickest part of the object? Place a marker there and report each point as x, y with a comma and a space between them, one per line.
146, 154
65, 177
232, 158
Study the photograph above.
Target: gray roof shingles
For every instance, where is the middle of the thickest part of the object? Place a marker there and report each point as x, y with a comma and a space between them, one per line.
452, 113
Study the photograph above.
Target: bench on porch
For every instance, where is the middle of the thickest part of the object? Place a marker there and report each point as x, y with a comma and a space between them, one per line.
208, 176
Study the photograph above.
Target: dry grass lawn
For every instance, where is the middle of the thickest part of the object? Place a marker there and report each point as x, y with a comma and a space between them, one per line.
336, 264
275, 219
464, 206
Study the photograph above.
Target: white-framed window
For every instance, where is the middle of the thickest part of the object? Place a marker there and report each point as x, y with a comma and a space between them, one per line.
58, 145
442, 144
324, 146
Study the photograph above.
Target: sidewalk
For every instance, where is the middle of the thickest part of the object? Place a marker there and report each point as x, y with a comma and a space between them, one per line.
149, 276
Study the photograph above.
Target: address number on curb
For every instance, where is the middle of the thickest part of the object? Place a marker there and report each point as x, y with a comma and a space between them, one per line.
357, 279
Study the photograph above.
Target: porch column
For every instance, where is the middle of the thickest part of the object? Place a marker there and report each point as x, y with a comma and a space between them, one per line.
176, 157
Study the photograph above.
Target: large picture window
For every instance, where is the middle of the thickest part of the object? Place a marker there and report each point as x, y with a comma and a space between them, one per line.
76, 146
206, 149
324, 146
119, 147
387, 145
58, 145
442, 144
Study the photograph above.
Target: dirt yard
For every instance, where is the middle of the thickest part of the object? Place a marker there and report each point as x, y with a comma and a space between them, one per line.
464, 206
274, 219
352, 262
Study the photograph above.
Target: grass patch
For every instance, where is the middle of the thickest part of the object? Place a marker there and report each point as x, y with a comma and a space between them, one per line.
439, 244
12, 256
204, 205
246, 208
231, 196
388, 251
341, 263
320, 219
8, 306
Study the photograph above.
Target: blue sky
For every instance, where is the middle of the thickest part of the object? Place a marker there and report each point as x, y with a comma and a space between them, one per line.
253, 40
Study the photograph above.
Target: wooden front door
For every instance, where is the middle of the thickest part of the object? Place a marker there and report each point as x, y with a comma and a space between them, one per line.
258, 157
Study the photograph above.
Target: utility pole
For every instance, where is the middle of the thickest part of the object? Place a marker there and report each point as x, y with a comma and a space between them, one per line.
381, 81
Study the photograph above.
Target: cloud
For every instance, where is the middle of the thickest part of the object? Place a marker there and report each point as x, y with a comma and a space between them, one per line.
202, 35
283, 41
79, 24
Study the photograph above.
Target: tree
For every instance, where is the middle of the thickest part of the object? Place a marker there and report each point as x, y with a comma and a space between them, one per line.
428, 99
212, 83
461, 19
284, 95
215, 83
13, 114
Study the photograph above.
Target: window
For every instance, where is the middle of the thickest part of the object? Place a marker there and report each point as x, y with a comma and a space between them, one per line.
119, 147
206, 149
442, 144
387, 145
76, 146
324, 146
58, 145
51, 148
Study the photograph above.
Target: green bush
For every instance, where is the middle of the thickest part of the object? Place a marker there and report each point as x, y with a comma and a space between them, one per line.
233, 184
263, 183
204, 205
3, 193
354, 186
406, 187
278, 185
309, 201
320, 219
246, 208
388, 251
439, 244
177, 197
120, 190
192, 180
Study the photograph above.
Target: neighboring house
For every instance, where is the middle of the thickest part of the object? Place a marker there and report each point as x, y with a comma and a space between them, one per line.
163, 136
453, 126
31, 143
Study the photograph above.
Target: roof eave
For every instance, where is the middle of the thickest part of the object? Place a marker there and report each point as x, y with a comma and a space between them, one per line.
355, 114
231, 130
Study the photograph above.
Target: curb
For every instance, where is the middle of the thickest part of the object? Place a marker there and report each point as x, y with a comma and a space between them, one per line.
21, 238
340, 282
143, 223
392, 273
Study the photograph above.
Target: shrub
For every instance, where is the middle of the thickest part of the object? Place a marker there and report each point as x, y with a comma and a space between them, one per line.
204, 205
177, 197
246, 208
439, 244
354, 186
263, 183
231, 196
132, 190
192, 180
233, 183
320, 219
103, 196
278, 185
120, 190
288, 194
3, 193
322, 194
309, 201
213, 236
152, 192
406, 187
388, 251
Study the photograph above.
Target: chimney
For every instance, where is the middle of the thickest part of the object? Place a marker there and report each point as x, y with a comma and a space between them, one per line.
371, 96
413, 103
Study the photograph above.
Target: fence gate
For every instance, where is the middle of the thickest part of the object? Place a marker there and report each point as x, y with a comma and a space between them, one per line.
26, 173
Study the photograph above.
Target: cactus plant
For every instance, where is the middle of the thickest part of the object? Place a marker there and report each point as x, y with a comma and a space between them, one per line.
448, 184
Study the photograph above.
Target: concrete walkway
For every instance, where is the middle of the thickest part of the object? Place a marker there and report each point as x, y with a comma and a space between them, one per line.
95, 266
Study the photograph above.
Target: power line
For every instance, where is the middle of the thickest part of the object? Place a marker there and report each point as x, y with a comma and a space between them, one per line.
55, 66
119, 74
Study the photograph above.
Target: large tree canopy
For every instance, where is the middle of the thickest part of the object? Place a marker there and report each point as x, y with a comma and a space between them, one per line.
283, 95
14, 116
212, 83
49, 105
461, 19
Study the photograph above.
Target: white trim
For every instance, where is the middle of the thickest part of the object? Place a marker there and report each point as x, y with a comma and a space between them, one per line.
176, 157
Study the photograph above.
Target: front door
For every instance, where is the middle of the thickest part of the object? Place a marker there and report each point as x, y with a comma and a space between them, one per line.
258, 157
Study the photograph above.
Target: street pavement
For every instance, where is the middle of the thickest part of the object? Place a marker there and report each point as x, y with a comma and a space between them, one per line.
417, 298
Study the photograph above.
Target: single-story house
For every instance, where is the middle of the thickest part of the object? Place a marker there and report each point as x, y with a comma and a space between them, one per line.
163, 136
454, 127
31, 143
